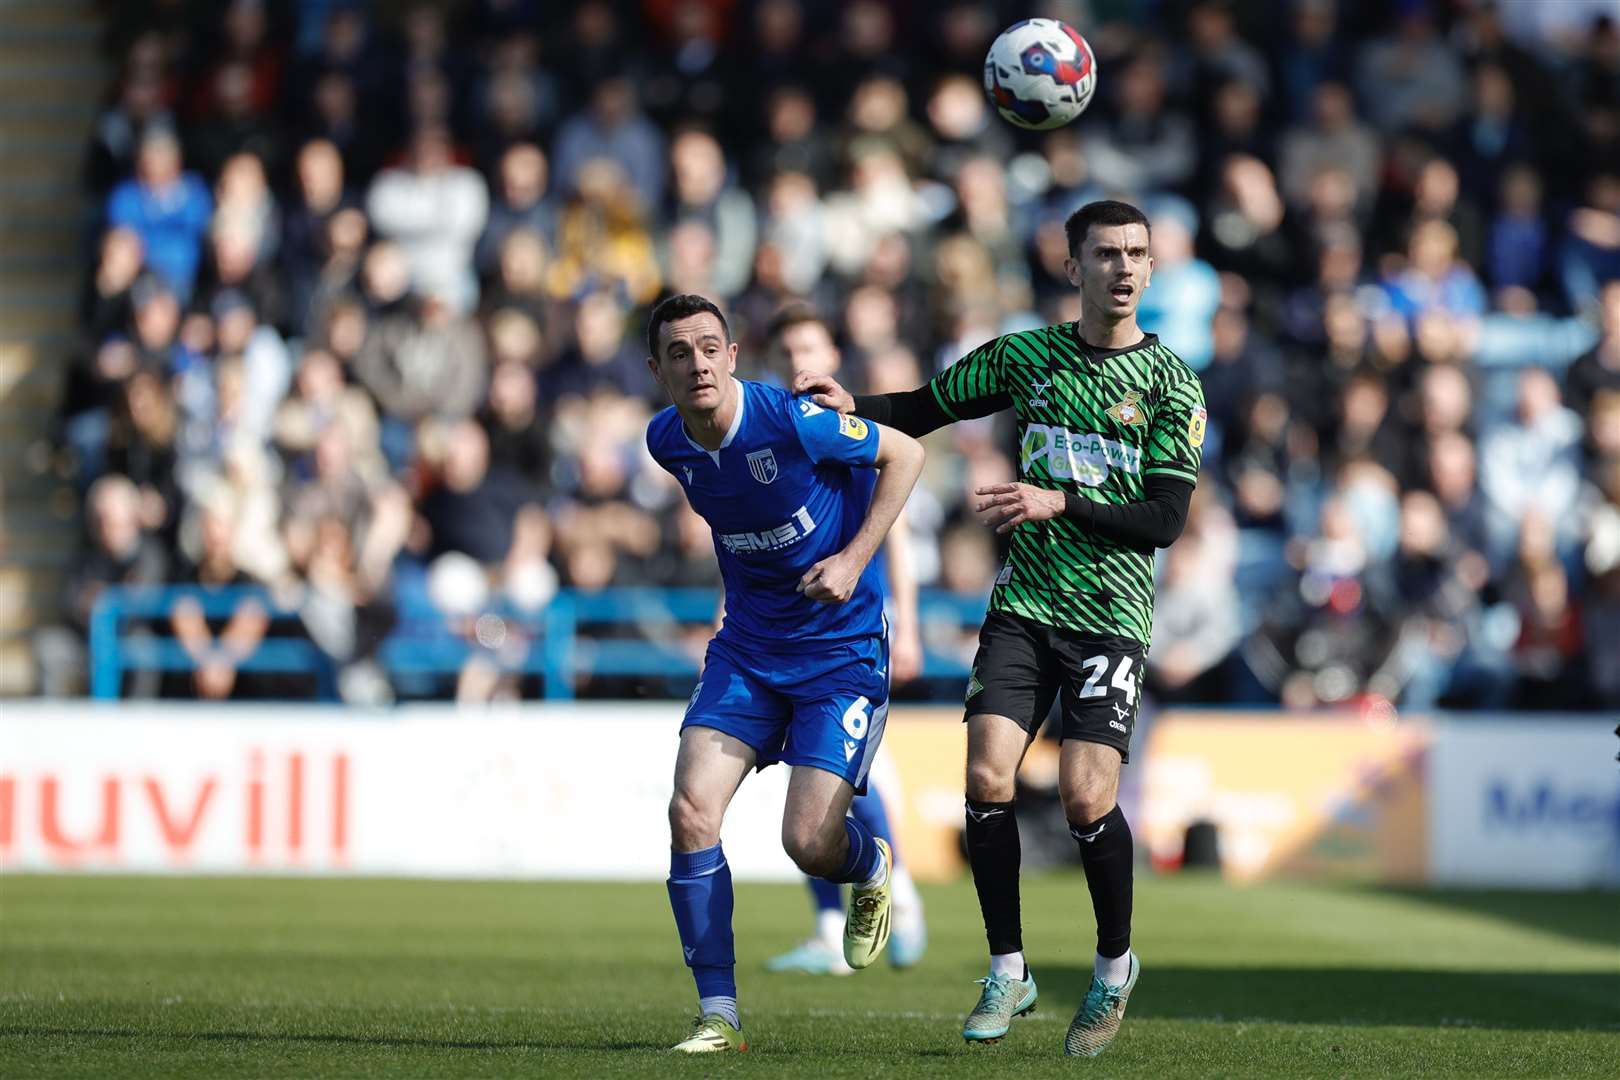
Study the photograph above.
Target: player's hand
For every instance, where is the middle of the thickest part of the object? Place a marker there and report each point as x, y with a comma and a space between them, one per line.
831, 581
1007, 506
824, 391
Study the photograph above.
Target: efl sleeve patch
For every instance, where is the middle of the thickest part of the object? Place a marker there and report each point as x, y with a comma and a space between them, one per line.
852, 427
1195, 426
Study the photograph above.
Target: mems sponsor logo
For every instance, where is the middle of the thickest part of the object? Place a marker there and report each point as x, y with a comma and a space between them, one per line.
790, 532
1066, 455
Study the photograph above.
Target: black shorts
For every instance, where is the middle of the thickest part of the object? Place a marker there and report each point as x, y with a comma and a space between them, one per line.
1021, 665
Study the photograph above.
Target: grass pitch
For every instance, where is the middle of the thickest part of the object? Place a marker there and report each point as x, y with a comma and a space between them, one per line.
136, 977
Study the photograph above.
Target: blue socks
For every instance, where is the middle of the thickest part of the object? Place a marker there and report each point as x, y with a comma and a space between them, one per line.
871, 812
864, 862
700, 895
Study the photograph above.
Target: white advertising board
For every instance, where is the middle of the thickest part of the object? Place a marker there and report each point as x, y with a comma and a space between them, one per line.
563, 791
1524, 802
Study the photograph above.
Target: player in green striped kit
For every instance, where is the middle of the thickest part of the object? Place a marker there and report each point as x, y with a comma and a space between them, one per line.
1110, 430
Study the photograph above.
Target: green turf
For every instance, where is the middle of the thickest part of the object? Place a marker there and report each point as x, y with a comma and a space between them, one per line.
135, 977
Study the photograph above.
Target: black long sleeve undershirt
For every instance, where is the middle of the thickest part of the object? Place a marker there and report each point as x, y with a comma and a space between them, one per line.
917, 412
1155, 522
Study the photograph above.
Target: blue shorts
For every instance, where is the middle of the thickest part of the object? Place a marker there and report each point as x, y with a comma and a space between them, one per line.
824, 708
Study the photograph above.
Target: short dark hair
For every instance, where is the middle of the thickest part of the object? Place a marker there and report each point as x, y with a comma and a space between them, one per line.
796, 315
680, 306
1102, 212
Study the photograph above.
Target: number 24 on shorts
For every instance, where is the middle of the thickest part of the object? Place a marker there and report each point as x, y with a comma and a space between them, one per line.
1123, 678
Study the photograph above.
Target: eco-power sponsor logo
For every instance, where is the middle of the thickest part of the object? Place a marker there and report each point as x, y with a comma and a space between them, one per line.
1067, 455
790, 532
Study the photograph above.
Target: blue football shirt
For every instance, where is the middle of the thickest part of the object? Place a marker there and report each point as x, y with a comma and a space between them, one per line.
789, 486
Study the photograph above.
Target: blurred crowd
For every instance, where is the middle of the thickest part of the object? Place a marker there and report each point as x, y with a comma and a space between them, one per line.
368, 281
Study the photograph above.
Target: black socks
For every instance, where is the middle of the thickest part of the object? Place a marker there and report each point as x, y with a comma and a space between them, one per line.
1105, 852
992, 844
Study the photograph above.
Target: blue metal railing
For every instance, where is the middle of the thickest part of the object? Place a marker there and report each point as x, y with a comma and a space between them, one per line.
579, 634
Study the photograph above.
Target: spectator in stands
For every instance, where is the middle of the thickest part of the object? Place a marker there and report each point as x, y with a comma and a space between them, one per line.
1409, 78
339, 280
235, 264
217, 646
613, 128
322, 401
1590, 253
1549, 653
1532, 465
143, 447
1493, 133
319, 195
519, 437
1141, 144
232, 122
435, 210
107, 308
1243, 366
1598, 369
1435, 588
489, 516
242, 197
167, 208
603, 242
1518, 242
118, 131
1327, 641
335, 116
1195, 628
1601, 562
422, 360
122, 552
702, 193
604, 357
1186, 291
1434, 279
1336, 140
1245, 233
522, 202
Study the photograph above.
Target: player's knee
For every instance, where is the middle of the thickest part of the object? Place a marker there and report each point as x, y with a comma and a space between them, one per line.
811, 851
692, 826
1085, 802
987, 781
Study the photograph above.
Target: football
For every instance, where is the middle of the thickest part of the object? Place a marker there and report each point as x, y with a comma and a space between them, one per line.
1040, 74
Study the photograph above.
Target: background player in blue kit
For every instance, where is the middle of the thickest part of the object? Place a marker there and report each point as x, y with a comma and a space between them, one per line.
805, 344
799, 669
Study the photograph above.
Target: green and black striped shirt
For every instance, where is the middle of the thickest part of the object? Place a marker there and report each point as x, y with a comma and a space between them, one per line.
1097, 423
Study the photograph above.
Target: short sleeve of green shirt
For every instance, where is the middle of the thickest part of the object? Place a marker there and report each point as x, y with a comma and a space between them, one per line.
975, 377
1175, 442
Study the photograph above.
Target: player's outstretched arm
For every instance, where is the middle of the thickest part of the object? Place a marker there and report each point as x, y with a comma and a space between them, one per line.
899, 462
912, 412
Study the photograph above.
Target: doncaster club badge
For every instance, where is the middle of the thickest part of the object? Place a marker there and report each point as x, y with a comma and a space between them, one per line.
1195, 426
1129, 410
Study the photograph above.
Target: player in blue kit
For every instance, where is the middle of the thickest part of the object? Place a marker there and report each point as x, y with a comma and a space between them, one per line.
798, 671
804, 343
